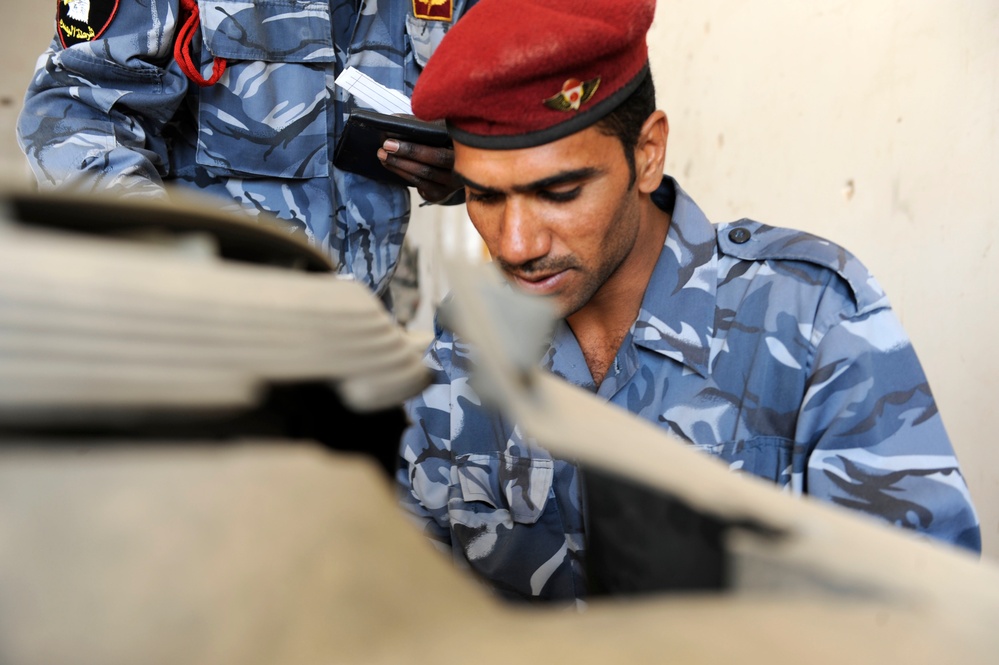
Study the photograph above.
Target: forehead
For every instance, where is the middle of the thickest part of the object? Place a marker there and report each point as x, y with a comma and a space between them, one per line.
501, 169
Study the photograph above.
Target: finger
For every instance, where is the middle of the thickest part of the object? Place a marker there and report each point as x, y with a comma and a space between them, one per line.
434, 193
417, 173
436, 156
432, 184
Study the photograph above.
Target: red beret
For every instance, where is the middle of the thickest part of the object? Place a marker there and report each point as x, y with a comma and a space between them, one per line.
521, 73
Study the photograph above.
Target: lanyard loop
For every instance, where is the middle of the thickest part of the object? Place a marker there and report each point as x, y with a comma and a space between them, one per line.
182, 46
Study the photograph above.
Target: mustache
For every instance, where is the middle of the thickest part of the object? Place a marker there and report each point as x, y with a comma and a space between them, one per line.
541, 265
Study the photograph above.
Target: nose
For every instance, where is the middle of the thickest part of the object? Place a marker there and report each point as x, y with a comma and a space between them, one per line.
523, 235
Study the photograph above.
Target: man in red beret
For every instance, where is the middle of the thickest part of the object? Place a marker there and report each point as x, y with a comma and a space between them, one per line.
770, 348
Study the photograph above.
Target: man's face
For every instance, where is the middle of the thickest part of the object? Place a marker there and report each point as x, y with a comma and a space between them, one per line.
559, 219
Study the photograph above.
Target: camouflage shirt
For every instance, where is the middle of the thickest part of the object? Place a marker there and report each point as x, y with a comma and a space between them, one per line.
117, 111
771, 348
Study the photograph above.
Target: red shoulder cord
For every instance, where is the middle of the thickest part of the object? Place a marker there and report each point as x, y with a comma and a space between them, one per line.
182, 46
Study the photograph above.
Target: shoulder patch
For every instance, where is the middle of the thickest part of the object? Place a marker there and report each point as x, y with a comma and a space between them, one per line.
433, 10
753, 241
83, 20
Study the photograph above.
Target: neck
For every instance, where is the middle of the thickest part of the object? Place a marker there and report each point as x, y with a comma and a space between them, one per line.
603, 323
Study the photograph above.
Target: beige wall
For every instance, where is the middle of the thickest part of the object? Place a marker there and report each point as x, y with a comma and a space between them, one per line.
18, 50
872, 123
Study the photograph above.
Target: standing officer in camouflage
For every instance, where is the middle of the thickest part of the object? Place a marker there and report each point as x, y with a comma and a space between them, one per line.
236, 98
770, 348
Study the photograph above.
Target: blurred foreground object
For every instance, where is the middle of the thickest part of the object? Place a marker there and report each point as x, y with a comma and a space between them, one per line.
149, 318
160, 504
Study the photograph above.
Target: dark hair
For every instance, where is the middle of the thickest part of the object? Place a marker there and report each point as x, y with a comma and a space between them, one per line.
625, 122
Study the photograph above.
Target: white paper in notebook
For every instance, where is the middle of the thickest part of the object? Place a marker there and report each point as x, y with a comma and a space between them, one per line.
373, 93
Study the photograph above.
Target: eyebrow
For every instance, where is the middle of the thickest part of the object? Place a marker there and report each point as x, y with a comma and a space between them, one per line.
543, 183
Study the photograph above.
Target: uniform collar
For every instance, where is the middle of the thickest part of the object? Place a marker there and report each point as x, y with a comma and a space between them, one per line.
677, 314
676, 318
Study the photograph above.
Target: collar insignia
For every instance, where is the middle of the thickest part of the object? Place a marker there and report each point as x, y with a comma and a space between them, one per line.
83, 20
433, 10
573, 94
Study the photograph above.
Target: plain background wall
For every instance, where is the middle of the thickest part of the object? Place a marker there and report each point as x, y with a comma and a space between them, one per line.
19, 50
872, 123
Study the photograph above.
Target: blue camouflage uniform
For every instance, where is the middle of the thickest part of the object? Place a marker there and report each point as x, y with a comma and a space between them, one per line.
118, 112
771, 348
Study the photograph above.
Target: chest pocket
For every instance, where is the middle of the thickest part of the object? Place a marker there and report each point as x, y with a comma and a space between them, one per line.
500, 488
769, 457
267, 115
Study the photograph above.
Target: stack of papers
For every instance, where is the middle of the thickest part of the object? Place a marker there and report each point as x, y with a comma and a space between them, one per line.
373, 93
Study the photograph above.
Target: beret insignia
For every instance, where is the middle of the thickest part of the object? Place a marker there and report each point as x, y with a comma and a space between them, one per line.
573, 94
433, 10
80, 21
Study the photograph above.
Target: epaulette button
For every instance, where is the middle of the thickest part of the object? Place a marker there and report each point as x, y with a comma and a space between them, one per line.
739, 235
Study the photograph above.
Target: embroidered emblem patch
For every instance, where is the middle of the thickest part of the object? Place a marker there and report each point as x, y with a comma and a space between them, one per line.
573, 94
83, 20
433, 10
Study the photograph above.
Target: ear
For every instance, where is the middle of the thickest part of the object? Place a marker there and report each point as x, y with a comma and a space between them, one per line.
650, 152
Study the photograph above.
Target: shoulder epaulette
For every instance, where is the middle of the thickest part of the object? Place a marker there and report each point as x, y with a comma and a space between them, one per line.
750, 240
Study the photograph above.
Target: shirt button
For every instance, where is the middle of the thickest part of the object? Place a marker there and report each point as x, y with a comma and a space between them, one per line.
739, 235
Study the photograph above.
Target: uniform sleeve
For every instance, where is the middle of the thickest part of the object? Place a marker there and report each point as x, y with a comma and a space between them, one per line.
94, 113
424, 470
876, 439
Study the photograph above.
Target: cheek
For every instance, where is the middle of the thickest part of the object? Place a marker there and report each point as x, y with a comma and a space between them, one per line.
487, 228
607, 237
591, 224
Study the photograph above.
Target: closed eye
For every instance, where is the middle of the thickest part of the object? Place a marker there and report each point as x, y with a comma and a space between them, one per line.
484, 197
560, 196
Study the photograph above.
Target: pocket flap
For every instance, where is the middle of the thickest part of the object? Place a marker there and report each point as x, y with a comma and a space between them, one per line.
268, 30
518, 484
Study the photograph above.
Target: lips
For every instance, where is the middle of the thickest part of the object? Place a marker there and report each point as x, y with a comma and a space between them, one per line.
539, 284
543, 276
